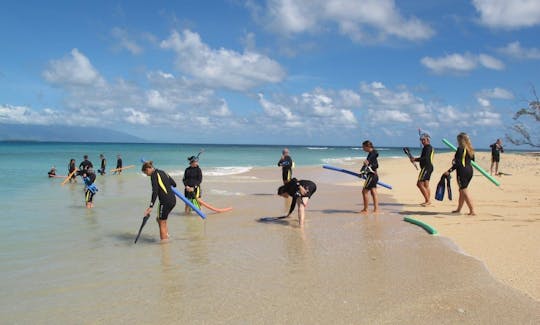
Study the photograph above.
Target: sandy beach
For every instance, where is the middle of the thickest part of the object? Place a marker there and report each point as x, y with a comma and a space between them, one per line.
505, 233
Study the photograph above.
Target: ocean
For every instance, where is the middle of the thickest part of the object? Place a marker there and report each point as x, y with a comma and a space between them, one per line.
63, 263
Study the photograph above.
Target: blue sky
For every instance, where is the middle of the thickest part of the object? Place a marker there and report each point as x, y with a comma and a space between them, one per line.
328, 72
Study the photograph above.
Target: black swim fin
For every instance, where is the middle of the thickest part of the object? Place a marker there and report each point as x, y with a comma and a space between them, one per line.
448, 178
439, 193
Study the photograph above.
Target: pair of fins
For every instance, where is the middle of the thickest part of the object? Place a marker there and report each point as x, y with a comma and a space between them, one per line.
443, 183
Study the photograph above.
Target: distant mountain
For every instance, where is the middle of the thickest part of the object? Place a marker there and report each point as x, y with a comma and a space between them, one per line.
19, 132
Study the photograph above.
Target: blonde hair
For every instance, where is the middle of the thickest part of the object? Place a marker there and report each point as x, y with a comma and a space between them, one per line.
465, 142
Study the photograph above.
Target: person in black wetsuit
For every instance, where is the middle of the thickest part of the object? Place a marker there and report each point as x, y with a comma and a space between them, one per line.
101, 171
369, 169
300, 191
89, 177
286, 164
496, 150
161, 188
462, 164
85, 164
192, 182
426, 168
71, 167
118, 165
52, 172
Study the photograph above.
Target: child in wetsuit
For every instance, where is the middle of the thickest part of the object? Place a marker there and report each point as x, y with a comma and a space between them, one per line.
296, 189
90, 188
369, 169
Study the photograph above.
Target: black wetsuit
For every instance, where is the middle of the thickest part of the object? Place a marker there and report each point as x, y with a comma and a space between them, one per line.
193, 178
462, 165
496, 152
426, 163
103, 165
293, 189
85, 165
71, 168
286, 164
161, 187
119, 163
371, 175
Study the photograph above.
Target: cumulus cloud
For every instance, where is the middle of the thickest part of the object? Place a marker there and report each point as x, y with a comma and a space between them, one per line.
124, 41
515, 50
221, 68
360, 20
496, 93
461, 63
74, 69
508, 14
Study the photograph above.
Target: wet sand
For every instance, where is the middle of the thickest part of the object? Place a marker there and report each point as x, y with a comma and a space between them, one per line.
342, 267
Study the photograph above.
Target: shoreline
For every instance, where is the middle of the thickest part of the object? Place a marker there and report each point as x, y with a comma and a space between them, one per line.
503, 234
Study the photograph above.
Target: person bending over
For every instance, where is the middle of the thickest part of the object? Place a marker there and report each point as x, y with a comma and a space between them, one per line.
300, 191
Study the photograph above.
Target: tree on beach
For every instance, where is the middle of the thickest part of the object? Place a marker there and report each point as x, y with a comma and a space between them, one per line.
522, 134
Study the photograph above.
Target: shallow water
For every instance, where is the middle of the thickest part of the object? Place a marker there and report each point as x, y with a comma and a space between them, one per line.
64, 263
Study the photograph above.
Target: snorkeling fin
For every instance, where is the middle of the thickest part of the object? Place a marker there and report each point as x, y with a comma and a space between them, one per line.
448, 178
439, 193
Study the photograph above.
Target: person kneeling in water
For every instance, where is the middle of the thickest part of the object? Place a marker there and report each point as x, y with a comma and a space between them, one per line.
296, 189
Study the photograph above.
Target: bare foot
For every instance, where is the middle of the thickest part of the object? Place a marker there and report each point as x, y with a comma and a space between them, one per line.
375, 211
363, 212
425, 204
472, 213
456, 211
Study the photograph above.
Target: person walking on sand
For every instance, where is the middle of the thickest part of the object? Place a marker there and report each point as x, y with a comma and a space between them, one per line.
369, 169
286, 163
300, 191
161, 188
426, 168
496, 150
192, 182
462, 164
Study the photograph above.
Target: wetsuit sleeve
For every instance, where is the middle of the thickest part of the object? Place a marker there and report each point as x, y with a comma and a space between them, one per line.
199, 177
372, 159
155, 188
184, 180
423, 156
280, 162
457, 158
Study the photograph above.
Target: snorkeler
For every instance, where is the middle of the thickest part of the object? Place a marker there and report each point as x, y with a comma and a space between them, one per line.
426, 168
300, 191
192, 182
161, 188
369, 168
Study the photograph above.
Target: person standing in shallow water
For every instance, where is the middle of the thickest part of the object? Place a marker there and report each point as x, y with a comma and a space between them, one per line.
369, 169
426, 168
286, 164
103, 164
192, 182
462, 164
118, 165
161, 188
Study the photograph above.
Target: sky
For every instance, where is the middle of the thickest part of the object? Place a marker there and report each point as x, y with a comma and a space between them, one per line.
319, 72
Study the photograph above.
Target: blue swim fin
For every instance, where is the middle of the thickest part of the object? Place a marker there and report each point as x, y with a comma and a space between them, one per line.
448, 178
439, 193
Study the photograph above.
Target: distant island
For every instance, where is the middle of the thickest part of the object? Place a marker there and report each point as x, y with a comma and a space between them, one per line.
62, 133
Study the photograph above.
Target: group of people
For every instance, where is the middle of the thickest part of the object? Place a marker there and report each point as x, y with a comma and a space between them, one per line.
302, 190
86, 171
